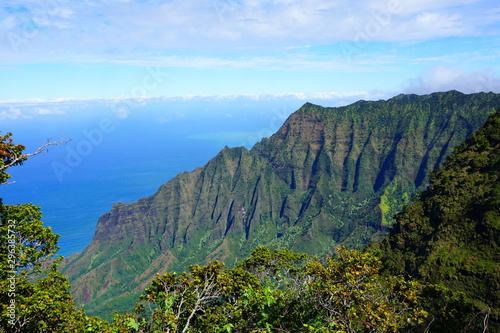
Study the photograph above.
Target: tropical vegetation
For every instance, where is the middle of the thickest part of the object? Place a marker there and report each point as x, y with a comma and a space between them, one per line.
438, 270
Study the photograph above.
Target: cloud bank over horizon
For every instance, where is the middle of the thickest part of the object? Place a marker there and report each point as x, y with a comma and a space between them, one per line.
121, 108
444, 78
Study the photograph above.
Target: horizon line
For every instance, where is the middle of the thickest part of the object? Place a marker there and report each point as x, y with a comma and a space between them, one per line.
254, 96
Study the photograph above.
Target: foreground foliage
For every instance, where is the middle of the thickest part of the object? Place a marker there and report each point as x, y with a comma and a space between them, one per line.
451, 234
281, 291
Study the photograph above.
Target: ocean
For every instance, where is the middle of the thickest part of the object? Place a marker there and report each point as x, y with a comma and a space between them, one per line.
122, 155
121, 152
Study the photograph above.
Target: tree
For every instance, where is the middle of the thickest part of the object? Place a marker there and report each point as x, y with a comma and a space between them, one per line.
11, 154
282, 291
182, 300
34, 295
449, 235
352, 296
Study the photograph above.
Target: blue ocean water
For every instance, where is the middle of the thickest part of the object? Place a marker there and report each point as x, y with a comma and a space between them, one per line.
121, 155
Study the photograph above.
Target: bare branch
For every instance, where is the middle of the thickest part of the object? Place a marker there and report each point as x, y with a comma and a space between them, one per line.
41, 150
208, 290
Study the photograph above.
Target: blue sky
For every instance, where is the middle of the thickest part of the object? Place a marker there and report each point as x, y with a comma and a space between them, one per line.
66, 49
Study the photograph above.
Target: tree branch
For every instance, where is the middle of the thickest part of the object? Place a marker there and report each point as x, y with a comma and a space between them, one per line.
23, 157
41, 150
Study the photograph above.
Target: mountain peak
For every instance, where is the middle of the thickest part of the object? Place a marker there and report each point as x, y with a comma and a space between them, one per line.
328, 177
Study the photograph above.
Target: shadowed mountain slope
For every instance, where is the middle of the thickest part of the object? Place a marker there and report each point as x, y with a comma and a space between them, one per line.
451, 234
328, 177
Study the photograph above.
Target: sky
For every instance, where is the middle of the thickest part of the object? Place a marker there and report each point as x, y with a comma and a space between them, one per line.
67, 49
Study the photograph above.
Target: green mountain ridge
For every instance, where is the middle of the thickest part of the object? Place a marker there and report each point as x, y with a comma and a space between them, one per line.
451, 234
328, 177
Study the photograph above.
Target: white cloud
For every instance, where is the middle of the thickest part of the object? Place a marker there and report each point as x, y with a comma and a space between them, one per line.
122, 113
306, 60
12, 113
438, 21
9, 23
46, 111
409, 7
444, 78
273, 96
163, 120
16, 109
114, 27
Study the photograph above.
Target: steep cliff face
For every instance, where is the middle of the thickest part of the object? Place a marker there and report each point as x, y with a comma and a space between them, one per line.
451, 234
329, 176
